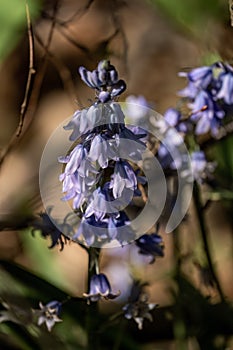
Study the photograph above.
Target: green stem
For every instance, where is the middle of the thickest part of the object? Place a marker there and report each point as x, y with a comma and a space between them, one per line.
92, 309
204, 234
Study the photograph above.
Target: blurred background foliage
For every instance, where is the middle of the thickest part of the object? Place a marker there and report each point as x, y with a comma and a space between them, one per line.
154, 40
13, 23
193, 14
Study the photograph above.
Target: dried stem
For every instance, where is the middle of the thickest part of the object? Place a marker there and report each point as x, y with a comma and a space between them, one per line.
31, 72
29, 104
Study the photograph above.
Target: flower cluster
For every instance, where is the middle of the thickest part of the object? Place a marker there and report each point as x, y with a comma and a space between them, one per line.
210, 92
209, 96
98, 175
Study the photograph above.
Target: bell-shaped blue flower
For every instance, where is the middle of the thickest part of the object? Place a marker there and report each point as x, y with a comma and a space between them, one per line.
206, 113
225, 81
123, 177
151, 245
100, 288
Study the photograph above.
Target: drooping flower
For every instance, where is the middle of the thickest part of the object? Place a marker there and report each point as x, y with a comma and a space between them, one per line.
49, 229
151, 245
225, 83
123, 177
138, 307
206, 113
102, 150
173, 118
119, 228
92, 231
100, 288
200, 77
48, 314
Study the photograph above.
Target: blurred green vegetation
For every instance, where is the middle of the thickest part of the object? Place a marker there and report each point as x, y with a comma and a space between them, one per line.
193, 14
13, 22
42, 259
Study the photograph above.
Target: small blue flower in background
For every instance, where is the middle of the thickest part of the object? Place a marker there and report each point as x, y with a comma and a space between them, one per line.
48, 229
173, 118
136, 108
200, 77
138, 307
200, 167
225, 80
206, 113
100, 288
48, 314
151, 245
210, 92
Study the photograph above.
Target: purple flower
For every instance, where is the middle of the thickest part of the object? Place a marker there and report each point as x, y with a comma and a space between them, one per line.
79, 176
200, 77
79, 124
168, 152
100, 289
200, 167
136, 108
151, 245
138, 307
102, 149
206, 113
47, 228
173, 118
93, 231
49, 314
123, 177
127, 149
101, 203
105, 80
119, 228
190, 91
225, 81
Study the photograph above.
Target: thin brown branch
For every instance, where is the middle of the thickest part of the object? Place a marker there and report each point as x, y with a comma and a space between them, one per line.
80, 12
66, 32
32, 100
31, 72
69, 36
119, 29
76, 15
